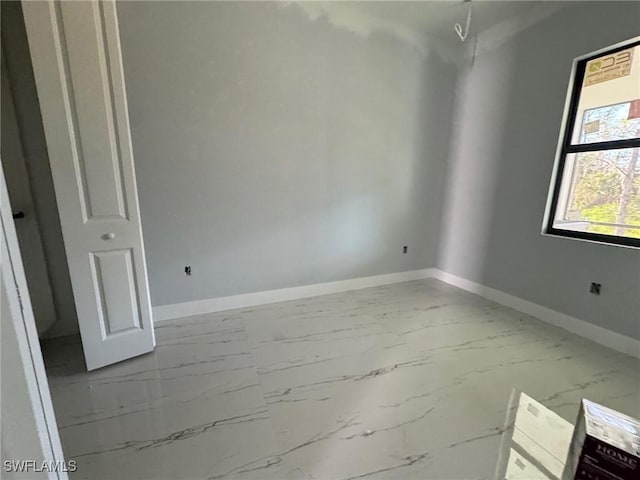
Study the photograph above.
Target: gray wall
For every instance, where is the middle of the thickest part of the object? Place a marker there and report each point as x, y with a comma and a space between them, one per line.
508, 114
274, 151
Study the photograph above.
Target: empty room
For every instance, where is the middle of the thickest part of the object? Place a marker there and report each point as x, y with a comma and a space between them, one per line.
320, 240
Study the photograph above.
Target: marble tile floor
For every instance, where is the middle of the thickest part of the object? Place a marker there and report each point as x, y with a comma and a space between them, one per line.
405, 381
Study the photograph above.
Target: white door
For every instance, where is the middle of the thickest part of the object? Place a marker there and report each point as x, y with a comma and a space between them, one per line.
17, 177
75, 51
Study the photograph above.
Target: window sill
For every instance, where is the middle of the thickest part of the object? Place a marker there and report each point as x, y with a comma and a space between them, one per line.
610, 240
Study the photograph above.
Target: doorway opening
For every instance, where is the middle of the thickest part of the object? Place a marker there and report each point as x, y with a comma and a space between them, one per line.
27, 173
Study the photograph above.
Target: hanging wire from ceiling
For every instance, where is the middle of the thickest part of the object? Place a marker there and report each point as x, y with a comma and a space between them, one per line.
458, 28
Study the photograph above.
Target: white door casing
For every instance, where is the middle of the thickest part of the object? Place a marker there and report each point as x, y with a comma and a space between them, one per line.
28, 427
75, 50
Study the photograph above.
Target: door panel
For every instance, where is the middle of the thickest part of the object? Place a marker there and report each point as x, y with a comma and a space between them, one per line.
77, 63
118, 302
101, 183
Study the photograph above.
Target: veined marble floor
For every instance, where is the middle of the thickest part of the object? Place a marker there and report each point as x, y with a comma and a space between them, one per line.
406, 381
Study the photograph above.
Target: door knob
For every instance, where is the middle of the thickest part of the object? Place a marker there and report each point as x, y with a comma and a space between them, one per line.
108, 236
18, 215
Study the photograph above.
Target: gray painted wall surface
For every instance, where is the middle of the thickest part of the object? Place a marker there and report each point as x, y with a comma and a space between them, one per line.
508, 114
274, 151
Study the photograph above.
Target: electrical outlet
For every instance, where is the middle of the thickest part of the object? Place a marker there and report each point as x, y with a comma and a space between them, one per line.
187, 270
595, 288
404, 249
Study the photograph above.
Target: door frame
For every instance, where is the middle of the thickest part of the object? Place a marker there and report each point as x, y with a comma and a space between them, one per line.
28, 343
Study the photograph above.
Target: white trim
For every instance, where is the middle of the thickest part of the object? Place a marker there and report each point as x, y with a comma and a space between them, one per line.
211, 305
28, 344
608, 338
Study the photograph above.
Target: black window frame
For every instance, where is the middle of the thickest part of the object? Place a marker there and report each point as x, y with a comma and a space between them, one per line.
566, 148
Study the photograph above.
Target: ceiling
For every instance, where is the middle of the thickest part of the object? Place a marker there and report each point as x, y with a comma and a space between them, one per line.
437, 18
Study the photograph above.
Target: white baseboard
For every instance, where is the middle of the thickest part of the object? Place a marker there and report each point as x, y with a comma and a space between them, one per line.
220, 304
608, 338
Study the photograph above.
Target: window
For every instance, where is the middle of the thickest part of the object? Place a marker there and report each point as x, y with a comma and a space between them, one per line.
595, 192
